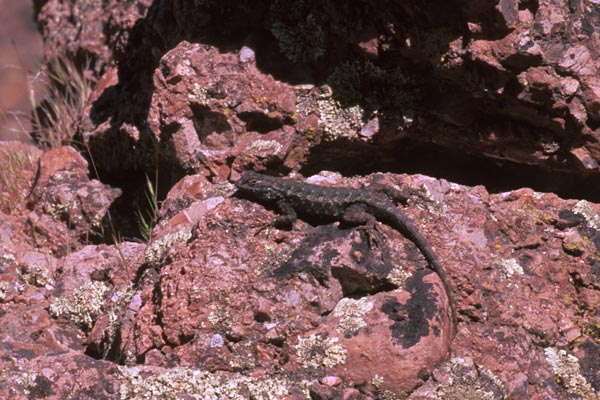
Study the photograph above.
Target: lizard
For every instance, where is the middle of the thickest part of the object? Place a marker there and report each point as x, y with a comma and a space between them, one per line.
358, 207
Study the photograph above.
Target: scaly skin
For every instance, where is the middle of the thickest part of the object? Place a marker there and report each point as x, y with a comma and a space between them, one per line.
352, 206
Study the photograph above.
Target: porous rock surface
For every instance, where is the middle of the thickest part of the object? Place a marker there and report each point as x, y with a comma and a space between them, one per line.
219, 303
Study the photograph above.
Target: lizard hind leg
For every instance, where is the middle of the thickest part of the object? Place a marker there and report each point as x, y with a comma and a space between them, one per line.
397, 195
357, 215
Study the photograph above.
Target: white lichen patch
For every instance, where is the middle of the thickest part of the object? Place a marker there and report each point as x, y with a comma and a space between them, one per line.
509, 267
27, 381
275, 255
83, 306
199, 94
566, 368
36, 275
350, 314
4, 290
383, 393
7, 259
585, 209
219, 314
470, 382
158, 248
337, 121
264, 148
115, 305
318, 352
197, 384
398, 277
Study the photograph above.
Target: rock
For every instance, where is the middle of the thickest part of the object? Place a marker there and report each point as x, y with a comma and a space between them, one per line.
220, 303
67, 204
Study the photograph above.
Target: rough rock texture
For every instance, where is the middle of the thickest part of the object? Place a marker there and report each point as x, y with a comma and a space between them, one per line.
63, 192
219, 303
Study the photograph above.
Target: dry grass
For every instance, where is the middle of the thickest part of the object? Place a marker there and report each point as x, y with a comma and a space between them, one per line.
56, 119
16, 177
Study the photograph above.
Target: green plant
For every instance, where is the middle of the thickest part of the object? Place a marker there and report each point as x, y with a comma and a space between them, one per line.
147, 217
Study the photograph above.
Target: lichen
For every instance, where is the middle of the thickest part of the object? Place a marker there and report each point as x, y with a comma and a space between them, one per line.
318, 352
219, 314
377, 90
83, 306
264, 148
275, 256
36, 275
350, 314
471, 383
27, 380
585, 209
383, 393
120, 300
337, 121
509, 267
6, 260
158, 248
199, 94
4, 290
297, 30
197, 384
568, 373
398, 277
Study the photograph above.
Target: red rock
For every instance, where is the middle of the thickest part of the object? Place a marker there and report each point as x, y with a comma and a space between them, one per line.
198, 92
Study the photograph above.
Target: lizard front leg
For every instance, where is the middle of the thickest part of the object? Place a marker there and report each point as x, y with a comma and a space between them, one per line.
288, 215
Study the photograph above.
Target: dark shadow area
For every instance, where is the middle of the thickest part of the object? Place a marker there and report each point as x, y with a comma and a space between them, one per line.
312, 41
412, 157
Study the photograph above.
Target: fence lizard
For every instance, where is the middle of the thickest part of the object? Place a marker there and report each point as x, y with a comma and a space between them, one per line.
352, 206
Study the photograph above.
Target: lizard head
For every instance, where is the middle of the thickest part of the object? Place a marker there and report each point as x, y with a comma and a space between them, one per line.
258, 186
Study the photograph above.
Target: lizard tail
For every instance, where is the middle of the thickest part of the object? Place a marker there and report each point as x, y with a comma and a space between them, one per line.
405, 226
